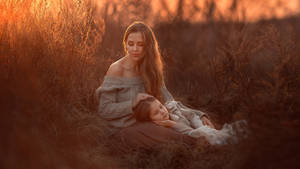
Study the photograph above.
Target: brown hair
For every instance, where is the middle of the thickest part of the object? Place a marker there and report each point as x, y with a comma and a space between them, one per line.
142, 109
151, 66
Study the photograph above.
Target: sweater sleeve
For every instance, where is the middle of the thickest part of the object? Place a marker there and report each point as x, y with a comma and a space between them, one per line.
109, 107
189, 112
192, 115
194, 119
166, 94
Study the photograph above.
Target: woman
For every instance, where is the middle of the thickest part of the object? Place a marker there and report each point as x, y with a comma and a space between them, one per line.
130, 79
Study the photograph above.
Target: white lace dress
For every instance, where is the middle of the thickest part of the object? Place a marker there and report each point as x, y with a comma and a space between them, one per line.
188, 122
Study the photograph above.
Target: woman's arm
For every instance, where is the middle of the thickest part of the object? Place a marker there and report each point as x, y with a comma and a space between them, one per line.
166, 94
110, 109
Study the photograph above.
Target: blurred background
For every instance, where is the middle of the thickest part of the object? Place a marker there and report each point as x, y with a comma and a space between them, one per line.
234, 59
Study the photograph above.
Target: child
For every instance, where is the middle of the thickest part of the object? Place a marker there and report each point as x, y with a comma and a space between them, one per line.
187, 121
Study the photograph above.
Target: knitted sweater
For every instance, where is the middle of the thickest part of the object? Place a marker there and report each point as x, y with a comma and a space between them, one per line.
116, 96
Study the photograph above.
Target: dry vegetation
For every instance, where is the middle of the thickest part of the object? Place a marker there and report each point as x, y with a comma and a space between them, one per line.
54, 55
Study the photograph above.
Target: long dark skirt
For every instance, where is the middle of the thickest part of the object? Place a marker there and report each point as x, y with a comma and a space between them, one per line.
148, 135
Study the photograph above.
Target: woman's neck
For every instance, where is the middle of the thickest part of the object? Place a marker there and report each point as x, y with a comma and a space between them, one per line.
129, 64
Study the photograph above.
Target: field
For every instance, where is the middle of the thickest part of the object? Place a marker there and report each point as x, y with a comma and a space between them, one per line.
53, 56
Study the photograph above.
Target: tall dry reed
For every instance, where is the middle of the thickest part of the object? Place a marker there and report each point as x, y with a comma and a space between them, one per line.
48, 77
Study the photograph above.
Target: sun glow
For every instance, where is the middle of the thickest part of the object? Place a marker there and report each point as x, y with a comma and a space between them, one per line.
251, 10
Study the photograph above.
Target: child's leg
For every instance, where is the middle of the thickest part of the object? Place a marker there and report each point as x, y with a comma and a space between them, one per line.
229, 134
213, 136
237, 130
240, 128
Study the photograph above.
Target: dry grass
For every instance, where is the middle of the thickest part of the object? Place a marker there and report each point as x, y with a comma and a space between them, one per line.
54, 55
49, 74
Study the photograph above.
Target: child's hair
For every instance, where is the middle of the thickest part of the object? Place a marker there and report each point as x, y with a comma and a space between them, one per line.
142, 109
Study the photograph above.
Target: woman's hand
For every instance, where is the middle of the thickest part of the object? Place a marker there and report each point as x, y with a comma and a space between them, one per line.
139, 97
165, 123
207, 122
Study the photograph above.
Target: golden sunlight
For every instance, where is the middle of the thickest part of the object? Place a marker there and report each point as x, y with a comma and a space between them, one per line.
252, 10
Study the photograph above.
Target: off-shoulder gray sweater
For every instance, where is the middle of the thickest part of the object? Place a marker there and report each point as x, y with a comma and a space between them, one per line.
116, 96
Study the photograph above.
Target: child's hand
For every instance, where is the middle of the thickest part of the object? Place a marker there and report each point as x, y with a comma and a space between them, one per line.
165, 123
207, 122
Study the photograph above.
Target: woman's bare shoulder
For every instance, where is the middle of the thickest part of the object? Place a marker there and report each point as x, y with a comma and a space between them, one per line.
115, 69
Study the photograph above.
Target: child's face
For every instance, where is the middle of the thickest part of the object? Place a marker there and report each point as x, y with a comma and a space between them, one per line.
158, 112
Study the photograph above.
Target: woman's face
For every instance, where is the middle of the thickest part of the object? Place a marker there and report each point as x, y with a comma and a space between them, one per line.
158, 112
135, 46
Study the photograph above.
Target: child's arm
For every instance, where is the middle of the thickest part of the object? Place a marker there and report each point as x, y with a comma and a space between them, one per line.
194, 120
175, 107
196, 117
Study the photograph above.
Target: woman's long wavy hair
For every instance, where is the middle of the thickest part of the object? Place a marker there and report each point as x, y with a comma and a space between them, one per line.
151, 66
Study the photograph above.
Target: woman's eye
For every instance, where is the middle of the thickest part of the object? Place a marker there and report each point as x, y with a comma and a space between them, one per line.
130, 43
